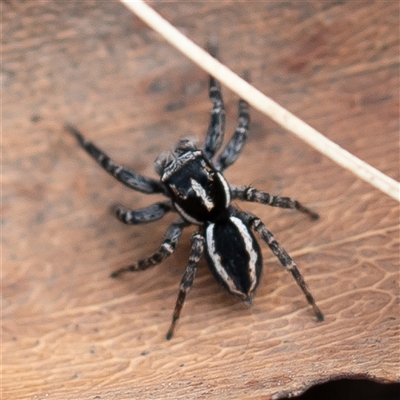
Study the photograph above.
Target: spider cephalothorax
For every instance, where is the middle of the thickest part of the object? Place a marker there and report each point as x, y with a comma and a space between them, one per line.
196, 189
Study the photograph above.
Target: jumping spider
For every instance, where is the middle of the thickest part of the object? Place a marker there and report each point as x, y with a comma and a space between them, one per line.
196, 190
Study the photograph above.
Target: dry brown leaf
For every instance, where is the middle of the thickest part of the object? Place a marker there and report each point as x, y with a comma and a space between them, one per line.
71, 332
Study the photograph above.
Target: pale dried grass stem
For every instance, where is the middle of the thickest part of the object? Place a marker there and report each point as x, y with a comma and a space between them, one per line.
263, 103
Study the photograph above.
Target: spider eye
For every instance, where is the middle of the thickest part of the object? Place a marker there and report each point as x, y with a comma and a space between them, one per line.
184, 146
162, 161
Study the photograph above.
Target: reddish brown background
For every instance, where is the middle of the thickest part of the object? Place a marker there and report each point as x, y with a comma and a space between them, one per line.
69, 332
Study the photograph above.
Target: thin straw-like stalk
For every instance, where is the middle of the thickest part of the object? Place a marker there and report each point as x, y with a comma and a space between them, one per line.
263, 103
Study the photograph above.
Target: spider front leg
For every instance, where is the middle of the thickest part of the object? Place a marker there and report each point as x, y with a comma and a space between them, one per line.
167, 247
235, 146
247, 193
216, 129
215, 134
187, 279
122, 174
287, 262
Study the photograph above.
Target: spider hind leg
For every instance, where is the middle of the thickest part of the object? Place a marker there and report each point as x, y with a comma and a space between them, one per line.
287, 262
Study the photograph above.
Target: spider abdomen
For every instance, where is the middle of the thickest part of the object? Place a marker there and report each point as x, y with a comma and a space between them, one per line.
234, 256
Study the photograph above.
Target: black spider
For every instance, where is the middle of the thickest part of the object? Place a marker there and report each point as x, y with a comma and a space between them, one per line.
199, 193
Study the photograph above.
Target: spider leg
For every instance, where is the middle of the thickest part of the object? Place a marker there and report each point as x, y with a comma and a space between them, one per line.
215, 134
287, 262
122, 174
187, 279
167, 247
216, 128
247, 193
149, 214
235, 146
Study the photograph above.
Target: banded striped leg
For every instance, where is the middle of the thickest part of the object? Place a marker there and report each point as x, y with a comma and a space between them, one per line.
216, 129
122, 174
215, 134
167, 247
287, 262
187, 279
235, 146
151, 213
247, 193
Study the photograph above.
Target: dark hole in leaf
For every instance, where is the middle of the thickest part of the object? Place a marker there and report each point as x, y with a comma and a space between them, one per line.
351, 389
